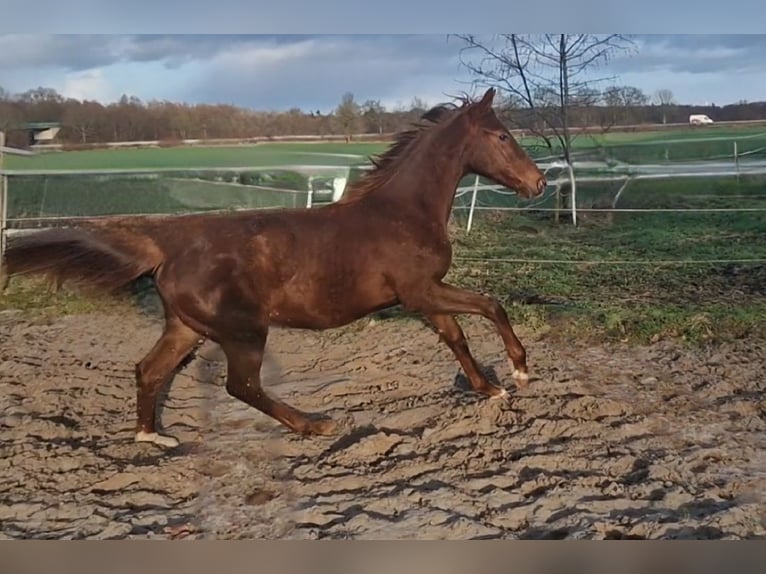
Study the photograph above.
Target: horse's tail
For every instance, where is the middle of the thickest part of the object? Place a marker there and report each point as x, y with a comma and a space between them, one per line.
106, 261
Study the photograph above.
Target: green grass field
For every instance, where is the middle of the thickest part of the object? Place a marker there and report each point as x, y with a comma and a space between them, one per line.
267, 154
211, 157
680, 144
614, 137
638, 297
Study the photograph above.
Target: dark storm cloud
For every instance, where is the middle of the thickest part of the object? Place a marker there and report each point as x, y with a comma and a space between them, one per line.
305, 16
81, 52
695, 54
176, 49
68, 52
321, 69
280, 70
313, 71
680, 53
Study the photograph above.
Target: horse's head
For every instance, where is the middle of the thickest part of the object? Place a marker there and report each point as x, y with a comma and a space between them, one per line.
494, 153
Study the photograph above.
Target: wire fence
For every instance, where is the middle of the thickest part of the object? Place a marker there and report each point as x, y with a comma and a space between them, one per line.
598, 181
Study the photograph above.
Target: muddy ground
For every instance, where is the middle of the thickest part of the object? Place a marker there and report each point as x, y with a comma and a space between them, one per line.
609, 441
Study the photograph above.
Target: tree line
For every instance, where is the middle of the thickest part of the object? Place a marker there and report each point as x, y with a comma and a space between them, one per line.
131, 119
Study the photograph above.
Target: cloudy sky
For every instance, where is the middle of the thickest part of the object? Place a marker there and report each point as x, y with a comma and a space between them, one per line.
313, 71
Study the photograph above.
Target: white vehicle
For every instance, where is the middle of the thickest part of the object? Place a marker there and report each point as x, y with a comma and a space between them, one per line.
699, 119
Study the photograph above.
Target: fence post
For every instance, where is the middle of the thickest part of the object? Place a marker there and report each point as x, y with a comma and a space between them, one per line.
624, 186
310, 197
574, 193
473, 204
3, 194
3, 212
557, 204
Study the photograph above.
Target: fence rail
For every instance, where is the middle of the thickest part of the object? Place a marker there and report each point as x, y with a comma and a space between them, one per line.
757, 260
595, 172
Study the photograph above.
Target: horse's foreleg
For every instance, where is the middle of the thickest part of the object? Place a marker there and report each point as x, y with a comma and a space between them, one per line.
451, 333
443, 299
243, 382
154, 371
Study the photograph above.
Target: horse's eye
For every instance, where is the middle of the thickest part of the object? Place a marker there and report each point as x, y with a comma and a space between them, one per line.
503, 137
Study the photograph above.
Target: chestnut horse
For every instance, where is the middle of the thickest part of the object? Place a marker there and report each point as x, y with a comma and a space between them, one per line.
229, 277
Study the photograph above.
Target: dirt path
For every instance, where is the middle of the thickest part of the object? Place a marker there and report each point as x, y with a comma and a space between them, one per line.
609, 441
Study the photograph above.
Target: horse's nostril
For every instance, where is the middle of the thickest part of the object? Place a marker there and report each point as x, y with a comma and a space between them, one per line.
541, 183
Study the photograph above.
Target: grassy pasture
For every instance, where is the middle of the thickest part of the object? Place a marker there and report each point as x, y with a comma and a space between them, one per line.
192, 156
335, 153
639, 297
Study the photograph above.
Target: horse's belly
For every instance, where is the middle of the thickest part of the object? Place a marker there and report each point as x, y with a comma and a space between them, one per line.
324, 305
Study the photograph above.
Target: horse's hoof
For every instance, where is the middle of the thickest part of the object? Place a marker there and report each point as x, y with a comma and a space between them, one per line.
503, 395
323, 427
522, 379
156, 438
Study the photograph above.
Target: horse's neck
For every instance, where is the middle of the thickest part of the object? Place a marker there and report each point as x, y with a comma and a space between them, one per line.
429, 178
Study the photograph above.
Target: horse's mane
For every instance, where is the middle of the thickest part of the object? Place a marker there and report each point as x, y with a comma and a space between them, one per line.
386, 164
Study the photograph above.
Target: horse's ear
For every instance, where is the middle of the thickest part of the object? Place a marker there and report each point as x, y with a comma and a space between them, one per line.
485, 104
489, 96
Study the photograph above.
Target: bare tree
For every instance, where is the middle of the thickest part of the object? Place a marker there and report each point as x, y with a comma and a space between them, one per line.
664, 98
417, 105
544, 75
11, 116
373, 116
347, 114
82, 118
624, 102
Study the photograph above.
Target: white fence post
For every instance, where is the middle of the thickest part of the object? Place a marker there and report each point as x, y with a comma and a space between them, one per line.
3, 194
473, 204
574, 193
3, 212
338, 187
310, 197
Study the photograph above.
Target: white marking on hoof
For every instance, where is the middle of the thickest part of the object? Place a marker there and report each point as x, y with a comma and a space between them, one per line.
503, 395
519, 376
156, 438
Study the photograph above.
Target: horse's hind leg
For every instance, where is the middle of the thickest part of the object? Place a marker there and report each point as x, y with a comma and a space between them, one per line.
244, 360
156, 370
